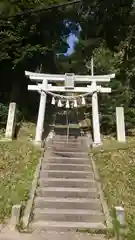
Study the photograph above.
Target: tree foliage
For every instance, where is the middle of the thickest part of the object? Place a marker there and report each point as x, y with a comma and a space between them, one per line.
36, 41
29, 42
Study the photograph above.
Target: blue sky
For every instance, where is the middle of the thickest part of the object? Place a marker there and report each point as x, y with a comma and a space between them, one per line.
71, 41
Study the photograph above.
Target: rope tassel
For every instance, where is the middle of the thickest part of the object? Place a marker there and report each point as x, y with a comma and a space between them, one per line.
59, 103
67, 104
53, 101
75, 103
83, 101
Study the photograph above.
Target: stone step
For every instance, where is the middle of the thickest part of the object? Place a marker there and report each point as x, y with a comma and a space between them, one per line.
61, 135
49, 235
68, 203
65, 160
70, 154
65, 139
66, 167
58, 142
66, 174
66, 149
66, 226
67, 192
68, 215
66, 144
64, 182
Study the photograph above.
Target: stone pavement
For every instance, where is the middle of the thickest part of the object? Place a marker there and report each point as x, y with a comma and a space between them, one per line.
14, 235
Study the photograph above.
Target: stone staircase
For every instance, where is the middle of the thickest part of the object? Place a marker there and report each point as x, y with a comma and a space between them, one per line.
67, 197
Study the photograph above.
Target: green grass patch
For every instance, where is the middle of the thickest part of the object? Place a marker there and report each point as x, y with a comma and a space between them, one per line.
116, 166
110, 145
18, 160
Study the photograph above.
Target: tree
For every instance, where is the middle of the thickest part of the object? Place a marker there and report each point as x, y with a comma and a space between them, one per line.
29, 42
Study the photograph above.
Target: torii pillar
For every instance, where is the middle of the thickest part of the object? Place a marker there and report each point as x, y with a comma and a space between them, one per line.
41, 115
95, 113
95, 120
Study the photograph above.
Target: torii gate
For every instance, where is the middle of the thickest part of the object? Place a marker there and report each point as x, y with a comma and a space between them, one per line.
44, 87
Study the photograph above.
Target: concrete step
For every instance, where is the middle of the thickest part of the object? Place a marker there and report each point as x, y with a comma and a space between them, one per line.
62, 136
65, 140
66, 167
67, 143
65, 160
70, 154
68, 203
66, 226
66, 149
49, 235
67, 192
66, 174
65, 137
68, 215
64, 182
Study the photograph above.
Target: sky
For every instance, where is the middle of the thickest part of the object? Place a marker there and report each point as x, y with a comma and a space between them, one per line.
71, 41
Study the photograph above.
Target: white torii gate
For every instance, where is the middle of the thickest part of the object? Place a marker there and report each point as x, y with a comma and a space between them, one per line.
43, 86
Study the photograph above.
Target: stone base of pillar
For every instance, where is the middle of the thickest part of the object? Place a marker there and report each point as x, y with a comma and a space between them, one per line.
6, 140
95, 144
47, 141
122, 141
37, 143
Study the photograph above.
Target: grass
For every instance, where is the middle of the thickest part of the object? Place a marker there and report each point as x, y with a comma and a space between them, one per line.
110, 145
116, 166
18, 160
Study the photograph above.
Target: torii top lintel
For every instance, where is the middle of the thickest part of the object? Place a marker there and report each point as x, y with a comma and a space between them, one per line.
39, 77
